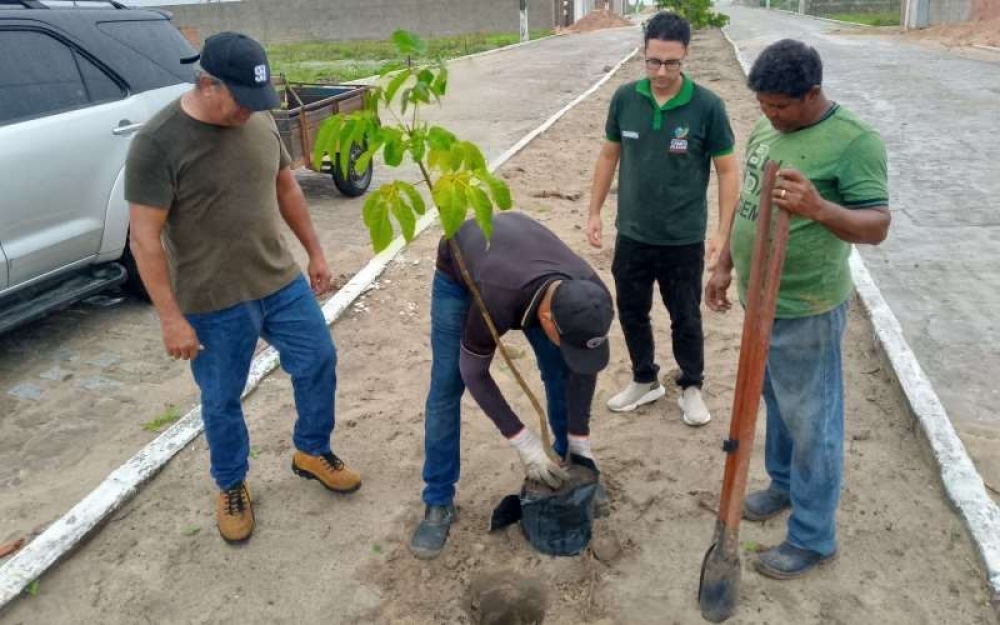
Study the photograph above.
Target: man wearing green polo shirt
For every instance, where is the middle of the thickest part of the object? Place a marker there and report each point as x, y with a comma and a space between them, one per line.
666, 131
834, 182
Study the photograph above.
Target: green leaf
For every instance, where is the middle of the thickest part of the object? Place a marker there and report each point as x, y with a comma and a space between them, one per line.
500, 192
372, 210
396, 83
404, 215
376, 217
422, 93
254, 452
440, 85
404, 100
451, 205
382, 235
395, 149
455, 158
474, 159
33, 588
483, 209
417, 146
426, 76
326, 140
416, 200
408, 43
190, 531
439, 138
377, 549
362, 163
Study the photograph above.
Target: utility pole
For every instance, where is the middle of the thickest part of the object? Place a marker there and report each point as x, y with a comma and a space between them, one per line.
524, 21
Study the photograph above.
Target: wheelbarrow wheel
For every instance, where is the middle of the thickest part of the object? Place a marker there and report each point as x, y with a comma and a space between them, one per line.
355, 183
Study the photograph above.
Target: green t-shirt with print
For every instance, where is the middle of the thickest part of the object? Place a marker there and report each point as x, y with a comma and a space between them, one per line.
666, 157
845, 159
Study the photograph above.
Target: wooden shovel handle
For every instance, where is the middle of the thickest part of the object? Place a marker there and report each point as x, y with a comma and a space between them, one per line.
761, 297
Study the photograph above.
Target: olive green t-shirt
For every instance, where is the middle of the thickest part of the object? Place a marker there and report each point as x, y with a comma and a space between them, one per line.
666, 157
845, 159
218, 183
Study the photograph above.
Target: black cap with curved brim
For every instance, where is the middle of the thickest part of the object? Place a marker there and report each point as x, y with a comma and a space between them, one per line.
241, 64
582, 312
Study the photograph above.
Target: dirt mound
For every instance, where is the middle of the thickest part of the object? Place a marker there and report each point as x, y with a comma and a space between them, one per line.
598, 19
981, 32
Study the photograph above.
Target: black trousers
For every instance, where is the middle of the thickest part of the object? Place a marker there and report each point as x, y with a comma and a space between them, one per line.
678, 271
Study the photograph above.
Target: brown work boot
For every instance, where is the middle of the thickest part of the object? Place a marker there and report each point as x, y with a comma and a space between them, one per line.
328, 469
235, 514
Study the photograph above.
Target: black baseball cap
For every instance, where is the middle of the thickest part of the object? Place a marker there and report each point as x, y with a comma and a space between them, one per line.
582, 312
240, 63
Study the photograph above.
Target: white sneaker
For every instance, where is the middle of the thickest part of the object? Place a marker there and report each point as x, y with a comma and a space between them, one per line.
693, 408
635, 395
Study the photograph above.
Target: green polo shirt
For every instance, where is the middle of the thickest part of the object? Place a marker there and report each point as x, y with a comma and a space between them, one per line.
845, 159
666, 158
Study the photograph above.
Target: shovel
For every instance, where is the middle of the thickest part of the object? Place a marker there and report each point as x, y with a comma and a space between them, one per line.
719, 586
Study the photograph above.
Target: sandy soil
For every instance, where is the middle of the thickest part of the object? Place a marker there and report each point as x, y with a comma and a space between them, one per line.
598, 19
979, 32
905, 557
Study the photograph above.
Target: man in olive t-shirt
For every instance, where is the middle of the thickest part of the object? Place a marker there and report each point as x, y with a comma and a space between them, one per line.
206, 180
834, 182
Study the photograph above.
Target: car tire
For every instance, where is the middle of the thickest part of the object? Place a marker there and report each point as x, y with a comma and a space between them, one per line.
133, 283
355, 183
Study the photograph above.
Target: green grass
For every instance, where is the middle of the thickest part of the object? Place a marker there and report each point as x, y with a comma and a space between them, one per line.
871, 19
171, 414
344, 61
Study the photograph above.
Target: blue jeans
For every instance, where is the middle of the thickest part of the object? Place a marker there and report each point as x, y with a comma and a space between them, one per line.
450, 303
804, 450
293, 323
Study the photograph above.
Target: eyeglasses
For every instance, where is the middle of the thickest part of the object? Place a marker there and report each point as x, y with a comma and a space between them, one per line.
654, 65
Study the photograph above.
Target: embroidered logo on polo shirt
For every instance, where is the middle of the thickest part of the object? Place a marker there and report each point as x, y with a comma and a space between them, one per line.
679, 144
630, 134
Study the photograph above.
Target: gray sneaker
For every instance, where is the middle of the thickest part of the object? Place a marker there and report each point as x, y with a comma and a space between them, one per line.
764, 504
432, 533
635, 395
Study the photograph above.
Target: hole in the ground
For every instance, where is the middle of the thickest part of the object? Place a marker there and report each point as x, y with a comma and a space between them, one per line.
507, 598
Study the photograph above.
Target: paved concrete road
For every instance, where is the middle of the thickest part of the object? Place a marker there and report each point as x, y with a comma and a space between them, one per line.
940, 267
77, 387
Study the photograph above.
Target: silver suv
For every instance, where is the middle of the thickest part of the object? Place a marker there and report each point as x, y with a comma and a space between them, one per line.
77, 79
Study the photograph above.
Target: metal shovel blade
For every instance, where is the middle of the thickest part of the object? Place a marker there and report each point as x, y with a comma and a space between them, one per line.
719, 586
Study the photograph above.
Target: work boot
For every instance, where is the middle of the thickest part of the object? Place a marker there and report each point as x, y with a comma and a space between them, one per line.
635, 395
235, 514
432, 533
694, 412
328, 470
764, 504
787, 561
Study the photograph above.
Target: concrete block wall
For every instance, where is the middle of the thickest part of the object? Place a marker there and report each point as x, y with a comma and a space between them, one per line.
281, 21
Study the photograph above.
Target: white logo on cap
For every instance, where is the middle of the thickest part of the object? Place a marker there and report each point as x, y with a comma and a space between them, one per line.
596, 342
260, 73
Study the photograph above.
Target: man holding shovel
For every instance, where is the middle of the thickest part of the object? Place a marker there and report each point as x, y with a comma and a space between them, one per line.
834, 183
529, 280
667, 132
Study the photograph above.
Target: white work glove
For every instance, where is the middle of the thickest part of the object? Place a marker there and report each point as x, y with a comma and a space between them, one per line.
537, 465
580, 446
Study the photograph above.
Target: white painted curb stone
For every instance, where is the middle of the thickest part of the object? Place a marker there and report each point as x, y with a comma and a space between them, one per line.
41, 553
962, 482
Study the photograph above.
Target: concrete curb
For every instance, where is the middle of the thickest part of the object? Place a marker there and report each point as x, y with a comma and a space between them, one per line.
962, 482
990, 48
65, 533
